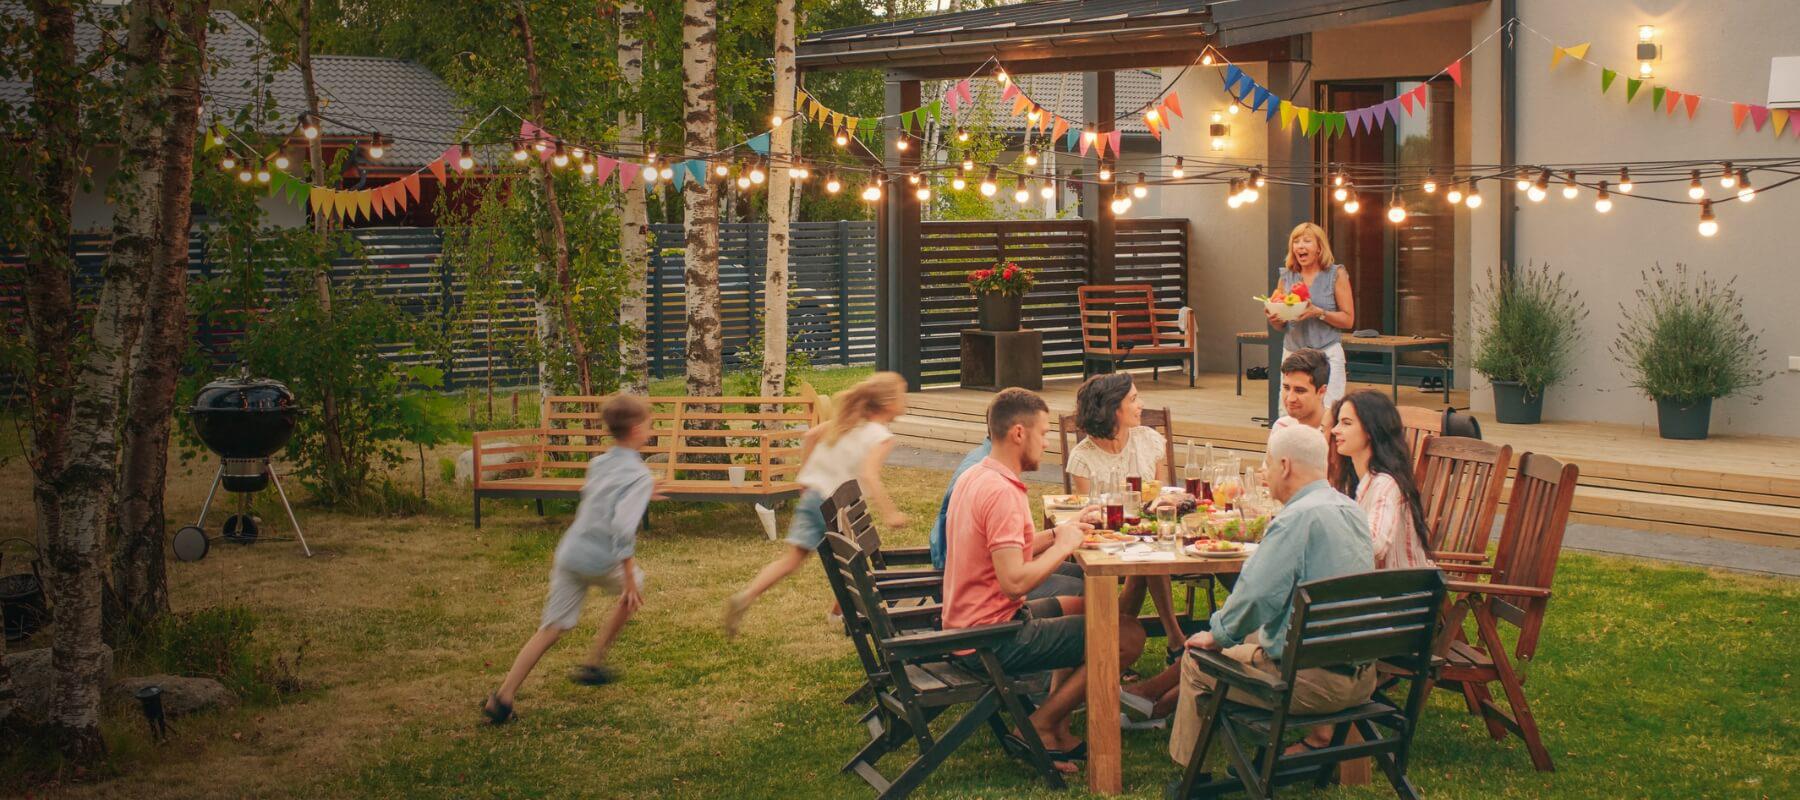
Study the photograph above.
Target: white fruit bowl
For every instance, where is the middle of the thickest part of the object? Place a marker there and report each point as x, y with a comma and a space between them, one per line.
1285, 312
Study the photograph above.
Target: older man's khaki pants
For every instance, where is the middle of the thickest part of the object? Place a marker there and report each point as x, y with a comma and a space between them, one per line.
1316, 691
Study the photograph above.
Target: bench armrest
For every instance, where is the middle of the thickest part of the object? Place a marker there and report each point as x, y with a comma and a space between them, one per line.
1226, 669
907, 588
925, 616
1474, 587
1473, 558
479, 435
906, 556
886, 575
940, 643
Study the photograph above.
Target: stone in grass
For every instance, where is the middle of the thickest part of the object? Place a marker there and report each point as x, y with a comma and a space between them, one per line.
465, 466
33, 676
181, 696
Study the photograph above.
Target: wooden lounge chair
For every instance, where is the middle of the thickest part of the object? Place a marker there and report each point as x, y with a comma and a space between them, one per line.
1120, 323
917, 676
1459, 488
1389, 616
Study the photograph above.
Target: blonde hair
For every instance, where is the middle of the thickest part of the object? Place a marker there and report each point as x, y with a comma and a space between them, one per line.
1326, 259
855, 405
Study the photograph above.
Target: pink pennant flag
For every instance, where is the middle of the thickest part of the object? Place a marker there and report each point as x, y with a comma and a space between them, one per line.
529, 130
951, 99
1455, 71
603, 169
1011, 89
628, 173
1114, 136
1760, 116
962, 88
1738, 112
1062, 127
1673, 101
1085, 144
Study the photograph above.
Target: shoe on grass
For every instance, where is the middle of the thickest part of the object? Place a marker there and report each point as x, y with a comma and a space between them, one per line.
591, 675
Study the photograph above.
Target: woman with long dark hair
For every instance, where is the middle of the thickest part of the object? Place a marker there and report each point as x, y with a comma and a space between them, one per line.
1374, 465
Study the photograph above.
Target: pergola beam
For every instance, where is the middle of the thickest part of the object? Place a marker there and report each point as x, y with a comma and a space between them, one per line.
1095, 57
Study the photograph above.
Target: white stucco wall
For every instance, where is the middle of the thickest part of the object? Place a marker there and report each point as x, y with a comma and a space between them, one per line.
1719, 50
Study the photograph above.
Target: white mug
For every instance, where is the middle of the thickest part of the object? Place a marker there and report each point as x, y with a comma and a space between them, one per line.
737, 475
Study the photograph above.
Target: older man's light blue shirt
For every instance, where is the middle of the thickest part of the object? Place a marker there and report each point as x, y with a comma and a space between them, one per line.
1320, 533
937, 530
613, 501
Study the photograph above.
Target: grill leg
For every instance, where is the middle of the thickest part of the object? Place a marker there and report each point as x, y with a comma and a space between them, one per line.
201, 522
290, 511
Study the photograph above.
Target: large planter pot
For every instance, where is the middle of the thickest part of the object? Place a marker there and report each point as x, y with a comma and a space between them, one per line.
999, 312
1683, 420
1514, 405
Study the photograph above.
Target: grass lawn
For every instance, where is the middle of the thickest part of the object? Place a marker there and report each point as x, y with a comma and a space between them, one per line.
1652, 681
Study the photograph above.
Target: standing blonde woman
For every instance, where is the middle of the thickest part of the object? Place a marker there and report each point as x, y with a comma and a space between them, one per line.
852, 446
1331, 310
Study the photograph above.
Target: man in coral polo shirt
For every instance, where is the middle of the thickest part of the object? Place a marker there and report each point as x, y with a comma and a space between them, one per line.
996, 555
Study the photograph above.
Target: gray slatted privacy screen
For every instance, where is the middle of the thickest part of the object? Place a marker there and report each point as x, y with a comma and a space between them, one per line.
1152, 251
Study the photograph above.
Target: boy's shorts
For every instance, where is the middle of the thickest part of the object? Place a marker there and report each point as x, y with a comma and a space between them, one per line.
807, 529
568, 591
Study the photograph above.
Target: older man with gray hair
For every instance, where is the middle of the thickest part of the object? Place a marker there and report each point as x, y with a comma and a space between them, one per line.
1319, 533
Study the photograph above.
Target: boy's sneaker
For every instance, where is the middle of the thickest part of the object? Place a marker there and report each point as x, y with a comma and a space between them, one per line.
735, 606
592, 676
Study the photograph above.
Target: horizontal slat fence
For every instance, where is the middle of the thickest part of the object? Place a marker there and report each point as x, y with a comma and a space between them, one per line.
1152, 251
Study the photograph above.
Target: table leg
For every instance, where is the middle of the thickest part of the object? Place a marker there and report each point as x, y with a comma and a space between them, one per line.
1393, 375
1240, 371
1447, 377
1354, 772
1104, 749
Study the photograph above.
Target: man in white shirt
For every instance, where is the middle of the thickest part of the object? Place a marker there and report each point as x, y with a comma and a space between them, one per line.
1305, 375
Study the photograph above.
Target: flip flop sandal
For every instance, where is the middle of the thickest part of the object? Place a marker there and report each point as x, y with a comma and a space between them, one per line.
496, 712
1016, 748
593, 676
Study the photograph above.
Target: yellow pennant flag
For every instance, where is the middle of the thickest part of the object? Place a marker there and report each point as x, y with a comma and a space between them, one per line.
1779, 116
365, 201
1287, 114
850, 124
818, 112
1578, 51
1304, 115
319, 200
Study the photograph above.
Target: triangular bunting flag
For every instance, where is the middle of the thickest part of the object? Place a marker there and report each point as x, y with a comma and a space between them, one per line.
1391, 110
1114, 136
1780, 117
697, 169
1632, 85
411, 182
1232, 73
1356, 120
1261, 96
1287, 114
906, 121
1315, 123
628, 173
1304, 115
819, 113
1100, 142
1019, 104
759, 143
603, 169
1011, 89
1656, 97
962, 88
378, 201
1738, 112
215, 137
1406, 101
1455, 71
950, 99
364, 202
1271, 110
1578, 51
1606, 79
1338, 124
315, 199
1085, 141
1062, 126
936, 109
870, 130
1174, 103
1418, 94
1759, 115
1674, 100
1556, 56
680, 178
437, 169
1692, 102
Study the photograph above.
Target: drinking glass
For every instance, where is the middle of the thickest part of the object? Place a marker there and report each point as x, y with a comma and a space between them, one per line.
1131, 512
1165, 528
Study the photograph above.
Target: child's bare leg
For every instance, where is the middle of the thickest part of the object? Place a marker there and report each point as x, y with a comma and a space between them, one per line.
534, 649
609, 632
783, 566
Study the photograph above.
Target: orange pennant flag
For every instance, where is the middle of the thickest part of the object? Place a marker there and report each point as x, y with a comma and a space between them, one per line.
1692, 102
1674, 100
412, 185
1739, 112
1174, 104
1062, 127
1019, 104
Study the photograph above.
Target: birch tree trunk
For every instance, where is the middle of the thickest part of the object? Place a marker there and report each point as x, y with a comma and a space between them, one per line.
699, 45
634, 222
781, 149
140, 580
554, 234
315, 155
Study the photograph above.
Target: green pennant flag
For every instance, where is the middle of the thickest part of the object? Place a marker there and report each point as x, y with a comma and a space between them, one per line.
1339, 123
1313, 124
1656, 97
867, 129
1606, 79
934, 110
906, 120
1632, 85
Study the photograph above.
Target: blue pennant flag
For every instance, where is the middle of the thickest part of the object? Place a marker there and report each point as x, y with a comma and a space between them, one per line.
1232, 74
680, 177
1072, 139
698, 169
1273, 109
760, 143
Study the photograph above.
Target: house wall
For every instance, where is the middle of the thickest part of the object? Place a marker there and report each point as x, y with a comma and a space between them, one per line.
1720, 50
93, 213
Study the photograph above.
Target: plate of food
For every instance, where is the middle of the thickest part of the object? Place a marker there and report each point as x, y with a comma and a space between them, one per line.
1066, 501
1220, 548
1097, 539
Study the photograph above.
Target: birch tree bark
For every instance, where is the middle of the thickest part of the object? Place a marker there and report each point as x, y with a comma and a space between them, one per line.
315, 156
140, 580
781, 149
699, 45
553, 232
634, 222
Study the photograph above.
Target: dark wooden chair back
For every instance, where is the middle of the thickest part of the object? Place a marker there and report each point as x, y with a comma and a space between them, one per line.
1530, 543
1117, 315
1418, 423
1386, 615
1158, 418
1459, 486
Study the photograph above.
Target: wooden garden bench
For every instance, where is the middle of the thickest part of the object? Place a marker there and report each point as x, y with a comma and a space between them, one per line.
1121, 323
698, 440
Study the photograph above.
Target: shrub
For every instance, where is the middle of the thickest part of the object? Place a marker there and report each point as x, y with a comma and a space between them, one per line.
220, 643
1687, 340
1528, 327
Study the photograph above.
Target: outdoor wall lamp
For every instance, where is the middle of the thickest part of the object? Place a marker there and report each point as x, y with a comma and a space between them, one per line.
1220, 130
1648, 50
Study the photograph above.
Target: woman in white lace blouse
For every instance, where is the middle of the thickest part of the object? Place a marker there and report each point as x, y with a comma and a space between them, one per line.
1375, 466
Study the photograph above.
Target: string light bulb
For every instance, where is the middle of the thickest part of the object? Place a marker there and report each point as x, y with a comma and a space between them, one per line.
1000, 77
1152, 115
775, 120
1625, 180
1696, 190
1120, 202
990, 184
1088, 135
587, 167
1047, 189
520, 153
465, 159
1105, 172
958, 182
540, 145
1746, 192
1020, 194
281, 160
721, 169
1337, 178
968, 164
757, 174
376, 148
1523, 180
1179, 171
308, 126
1570, 189
1256, 177
1235, 193
1602, 200
912, 178
743, 180
559, 156
228, 162
217, 139
832, 185
1431, 185
841, 140
902, 144
245, 175
1352, 205
1251, 195
1232, 109
1709, 225
263, 176
1454, 194
1034, 115
923, 192
962, 134
870, 193
1396, 212
1031, 157
1206, 59
1341, 193
668, 172
1539, 188
1473, 198
651, 173
1141, 189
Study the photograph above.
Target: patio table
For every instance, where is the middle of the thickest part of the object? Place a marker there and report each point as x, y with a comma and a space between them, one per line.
1392, 346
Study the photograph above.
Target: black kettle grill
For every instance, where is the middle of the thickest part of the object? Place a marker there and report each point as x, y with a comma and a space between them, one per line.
245, 421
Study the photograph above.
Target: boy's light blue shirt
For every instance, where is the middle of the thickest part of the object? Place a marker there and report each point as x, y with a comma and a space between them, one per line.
937, 530
613, 501
1320, 533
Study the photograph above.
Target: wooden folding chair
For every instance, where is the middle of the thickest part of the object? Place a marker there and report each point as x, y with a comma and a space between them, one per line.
1516, 592
846, 510
1157, 418
1389, 616
1459, 484
917, 676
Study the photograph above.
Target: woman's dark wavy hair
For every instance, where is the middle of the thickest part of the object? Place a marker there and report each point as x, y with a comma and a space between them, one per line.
1097, 404
1389, 454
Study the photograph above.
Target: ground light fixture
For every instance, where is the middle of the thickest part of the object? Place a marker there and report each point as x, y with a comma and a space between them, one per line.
1141, 189
1602, 200
1021, 195
1709, 225
990, 184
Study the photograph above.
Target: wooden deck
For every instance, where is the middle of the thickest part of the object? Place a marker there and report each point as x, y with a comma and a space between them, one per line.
1744, 488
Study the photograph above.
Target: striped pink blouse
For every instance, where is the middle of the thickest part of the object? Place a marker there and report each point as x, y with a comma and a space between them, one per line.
1390, 524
